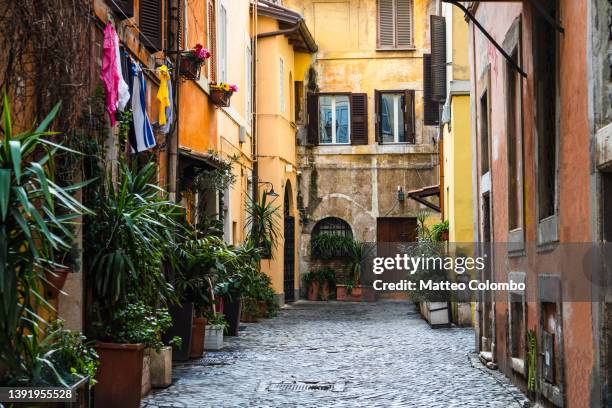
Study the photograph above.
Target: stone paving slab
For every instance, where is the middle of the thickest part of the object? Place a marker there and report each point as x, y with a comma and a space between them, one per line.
378, 354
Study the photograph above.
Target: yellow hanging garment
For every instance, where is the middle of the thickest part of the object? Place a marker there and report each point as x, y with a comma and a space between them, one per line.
162, 94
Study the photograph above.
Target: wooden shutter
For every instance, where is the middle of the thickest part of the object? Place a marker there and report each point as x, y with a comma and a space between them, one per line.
438, 57
212, 29
431, 109
150, 24
409, 118
386, 26
359, 119
403, 23
123, 8
312, 108
377, 117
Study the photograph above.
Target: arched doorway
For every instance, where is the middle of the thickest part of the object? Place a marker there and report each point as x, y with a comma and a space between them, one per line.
289, 248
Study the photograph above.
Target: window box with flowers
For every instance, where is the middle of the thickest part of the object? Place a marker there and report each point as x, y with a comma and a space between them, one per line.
221, 93
192, 60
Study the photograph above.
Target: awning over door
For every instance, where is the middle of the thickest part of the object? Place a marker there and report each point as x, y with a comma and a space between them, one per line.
422, 194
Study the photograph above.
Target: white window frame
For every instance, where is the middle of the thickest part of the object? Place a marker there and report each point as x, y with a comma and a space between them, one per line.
281, 72
222, 42
397, 110
333, 110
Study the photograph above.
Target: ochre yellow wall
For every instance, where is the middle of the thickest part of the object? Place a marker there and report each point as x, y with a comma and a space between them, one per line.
276, 133
458, 203
461, 66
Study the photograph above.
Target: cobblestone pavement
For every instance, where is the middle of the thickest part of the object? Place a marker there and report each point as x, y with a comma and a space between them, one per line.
377, 354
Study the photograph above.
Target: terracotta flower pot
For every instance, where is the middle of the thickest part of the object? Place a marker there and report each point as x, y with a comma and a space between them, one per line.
263, 309
197, 337
119, 375
313, 290
220, 304
56, 280
220, 97
190, 68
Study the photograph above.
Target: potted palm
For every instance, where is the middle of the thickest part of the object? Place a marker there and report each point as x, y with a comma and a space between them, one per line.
132, 217
352, 290
30, 202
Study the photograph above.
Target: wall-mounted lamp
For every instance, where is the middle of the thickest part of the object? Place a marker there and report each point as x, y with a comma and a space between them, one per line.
401, 196
271, 193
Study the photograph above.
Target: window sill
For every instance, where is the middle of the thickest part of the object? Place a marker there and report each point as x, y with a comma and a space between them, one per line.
334, 144
518, 365
395, 143
413, 48
548, 233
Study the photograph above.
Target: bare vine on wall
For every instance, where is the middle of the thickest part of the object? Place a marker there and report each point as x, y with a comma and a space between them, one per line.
45, 57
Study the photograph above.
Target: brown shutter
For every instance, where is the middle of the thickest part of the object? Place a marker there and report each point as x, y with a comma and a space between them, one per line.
212, 24
359, 119
403, 23
438, 57
123, 8
431, 109
150, 24
409, 118
312, 108
386, 30
377, 116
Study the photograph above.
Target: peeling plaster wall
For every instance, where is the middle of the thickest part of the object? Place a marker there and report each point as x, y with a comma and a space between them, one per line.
359, 183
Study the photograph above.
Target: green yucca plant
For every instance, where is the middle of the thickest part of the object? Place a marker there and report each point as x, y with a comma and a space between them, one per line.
31, 230
262, 219
136, 228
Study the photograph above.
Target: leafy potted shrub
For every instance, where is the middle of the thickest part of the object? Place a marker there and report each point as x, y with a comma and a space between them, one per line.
30, 202
213, 340
132, 218
352, 290
319, 283
221, 93
192, 60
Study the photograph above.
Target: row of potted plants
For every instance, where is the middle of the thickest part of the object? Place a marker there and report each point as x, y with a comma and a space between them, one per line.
190, 68
330, 250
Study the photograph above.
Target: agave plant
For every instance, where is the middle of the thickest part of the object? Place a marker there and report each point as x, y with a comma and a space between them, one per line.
30, 232
262, 219
136, 227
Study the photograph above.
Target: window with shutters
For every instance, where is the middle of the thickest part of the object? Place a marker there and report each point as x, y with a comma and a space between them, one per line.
337, 118
334, 119
212, 41
395, 24
395, 116
150, 24
431, 108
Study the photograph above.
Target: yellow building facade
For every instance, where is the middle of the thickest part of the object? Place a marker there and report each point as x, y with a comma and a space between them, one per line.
456, 147
283, 54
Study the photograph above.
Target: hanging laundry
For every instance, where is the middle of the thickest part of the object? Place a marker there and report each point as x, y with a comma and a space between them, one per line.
122, 89
109, 74
143, 137
162, 94
169, 111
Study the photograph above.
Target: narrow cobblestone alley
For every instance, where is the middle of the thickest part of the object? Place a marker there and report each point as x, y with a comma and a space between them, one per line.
377, 354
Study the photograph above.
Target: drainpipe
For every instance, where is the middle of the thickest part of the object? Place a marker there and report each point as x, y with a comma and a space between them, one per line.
254, 148
173, 140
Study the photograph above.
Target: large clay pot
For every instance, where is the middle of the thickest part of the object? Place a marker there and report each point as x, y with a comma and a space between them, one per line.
56, 280
182, 320
197, 337
313, 290
119, 375
232, 311
359, 293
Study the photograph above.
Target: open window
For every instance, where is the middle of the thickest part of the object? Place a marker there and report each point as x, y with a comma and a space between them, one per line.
395, 116
337, 119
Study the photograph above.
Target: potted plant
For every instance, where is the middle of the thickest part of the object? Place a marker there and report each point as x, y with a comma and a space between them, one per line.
161, 364
197, 337
251, 311
30, 203
221, 93
192, 60
213, 340
352, 290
